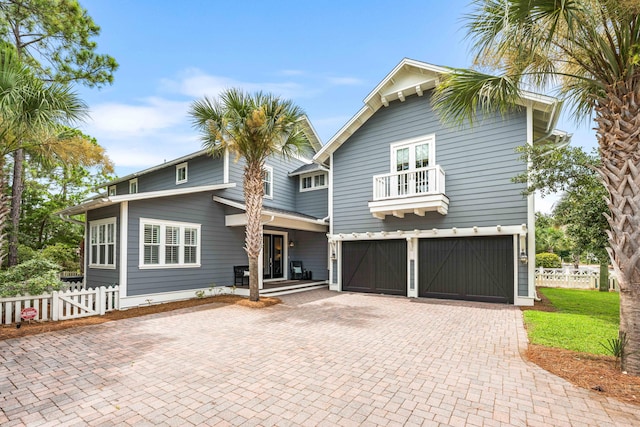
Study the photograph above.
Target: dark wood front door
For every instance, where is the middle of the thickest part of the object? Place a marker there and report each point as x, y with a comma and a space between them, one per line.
378, 266
470, 268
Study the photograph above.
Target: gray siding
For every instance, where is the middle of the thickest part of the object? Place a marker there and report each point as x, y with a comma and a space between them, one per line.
96, 277
479, 163
202, 170
222, 247
311, 249
314, 202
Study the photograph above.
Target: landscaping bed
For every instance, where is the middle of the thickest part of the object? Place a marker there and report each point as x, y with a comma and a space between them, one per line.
597, 372
26, 328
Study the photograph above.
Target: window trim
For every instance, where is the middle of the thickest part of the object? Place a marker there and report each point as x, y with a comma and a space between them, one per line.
133, 182
268, 169
163, 224
112, 190
97, 223
313, 175
179, 167
412, 142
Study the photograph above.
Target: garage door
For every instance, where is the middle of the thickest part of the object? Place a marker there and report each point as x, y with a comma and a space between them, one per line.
378, 266
471, 268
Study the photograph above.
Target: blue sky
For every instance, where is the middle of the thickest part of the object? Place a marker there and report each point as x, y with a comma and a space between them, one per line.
325, 56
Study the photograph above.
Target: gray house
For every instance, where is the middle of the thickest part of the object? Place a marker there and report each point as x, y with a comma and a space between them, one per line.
168, 231
422, 209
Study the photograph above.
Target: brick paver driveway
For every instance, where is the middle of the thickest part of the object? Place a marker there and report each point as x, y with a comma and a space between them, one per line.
321, 358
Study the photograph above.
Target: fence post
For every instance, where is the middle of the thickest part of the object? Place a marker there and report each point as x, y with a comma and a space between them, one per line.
101, 298
55, 306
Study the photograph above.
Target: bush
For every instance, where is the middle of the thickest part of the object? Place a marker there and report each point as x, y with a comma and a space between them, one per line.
34, 277
548, 260
63, 255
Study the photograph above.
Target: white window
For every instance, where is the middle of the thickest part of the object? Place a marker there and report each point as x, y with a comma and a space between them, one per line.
102, 243
112, 190
314, 181
133, 186
166, 244
268, 182
181, 173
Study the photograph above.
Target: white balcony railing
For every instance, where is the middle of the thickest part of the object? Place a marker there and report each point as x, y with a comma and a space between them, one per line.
404, 184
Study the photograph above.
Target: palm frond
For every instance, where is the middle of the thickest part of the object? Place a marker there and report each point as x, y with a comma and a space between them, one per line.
464, 94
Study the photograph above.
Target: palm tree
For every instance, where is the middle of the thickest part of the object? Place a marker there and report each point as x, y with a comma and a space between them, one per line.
252, 127
587, 51
30, 112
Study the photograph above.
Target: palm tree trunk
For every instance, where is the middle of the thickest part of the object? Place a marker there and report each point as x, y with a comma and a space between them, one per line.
618, 118
4, 210
16, 205
253, 193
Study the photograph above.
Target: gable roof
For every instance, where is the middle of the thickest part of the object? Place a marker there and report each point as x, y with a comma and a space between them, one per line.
411, 77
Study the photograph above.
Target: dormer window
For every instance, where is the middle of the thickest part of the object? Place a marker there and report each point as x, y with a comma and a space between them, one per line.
313, 181
181, 173
112, 190
133, 186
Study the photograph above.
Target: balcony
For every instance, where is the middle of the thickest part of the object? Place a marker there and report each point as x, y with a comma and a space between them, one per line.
417, 191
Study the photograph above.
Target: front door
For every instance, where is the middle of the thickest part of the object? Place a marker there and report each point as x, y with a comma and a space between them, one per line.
272, 256
410, 161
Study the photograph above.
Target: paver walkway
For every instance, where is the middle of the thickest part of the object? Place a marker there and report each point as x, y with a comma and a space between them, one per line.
321, 358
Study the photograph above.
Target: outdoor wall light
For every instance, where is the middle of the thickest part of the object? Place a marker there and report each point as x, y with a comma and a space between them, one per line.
291, 244
523, 257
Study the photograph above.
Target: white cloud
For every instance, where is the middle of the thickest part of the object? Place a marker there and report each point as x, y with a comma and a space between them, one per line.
127, 120
345, 81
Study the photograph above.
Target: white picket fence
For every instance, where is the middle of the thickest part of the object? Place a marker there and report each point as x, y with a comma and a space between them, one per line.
558, 278
64, 305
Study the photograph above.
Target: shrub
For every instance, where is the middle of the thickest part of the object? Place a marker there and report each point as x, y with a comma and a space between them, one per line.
34, 277
548, 260
63, 255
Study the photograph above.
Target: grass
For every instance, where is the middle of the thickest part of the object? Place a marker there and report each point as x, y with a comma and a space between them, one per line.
584, 321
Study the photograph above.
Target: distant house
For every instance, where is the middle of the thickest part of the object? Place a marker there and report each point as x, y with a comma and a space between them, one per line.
422, 209
165, 232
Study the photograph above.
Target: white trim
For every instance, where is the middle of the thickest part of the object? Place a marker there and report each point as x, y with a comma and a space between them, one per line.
162, 244
330, 196
144, 300
269, 170
313, 175
133, 181
240, 220
498, 230
107, 201
179, 167
225, 167
104, 221
124, 250
412, 255
112, 190
531, 217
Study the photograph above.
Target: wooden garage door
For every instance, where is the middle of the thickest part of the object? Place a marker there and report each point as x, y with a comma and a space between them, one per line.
470, 268
378, 266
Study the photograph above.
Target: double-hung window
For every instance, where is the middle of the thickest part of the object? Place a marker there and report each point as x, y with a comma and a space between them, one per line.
102, 243
169, 244
133, 186
182, 173
268, 182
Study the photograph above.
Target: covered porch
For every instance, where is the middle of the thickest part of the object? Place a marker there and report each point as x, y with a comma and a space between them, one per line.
283, 287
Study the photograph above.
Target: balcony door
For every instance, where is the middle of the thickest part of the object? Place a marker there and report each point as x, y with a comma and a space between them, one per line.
411, 161
272, 256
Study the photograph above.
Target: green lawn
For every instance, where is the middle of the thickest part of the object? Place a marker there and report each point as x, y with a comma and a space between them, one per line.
584, 320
